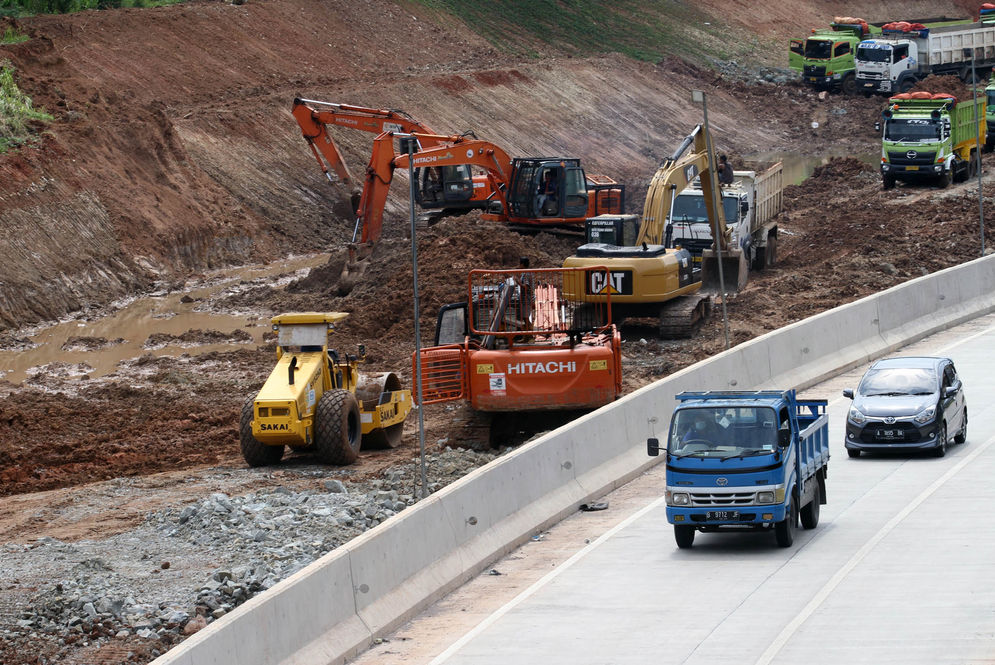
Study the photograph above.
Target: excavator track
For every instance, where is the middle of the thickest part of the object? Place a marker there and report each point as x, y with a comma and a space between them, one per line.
680, 317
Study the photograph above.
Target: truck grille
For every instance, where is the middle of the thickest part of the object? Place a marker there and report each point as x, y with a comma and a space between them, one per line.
872, 76
724, 499
815, 70
903, 158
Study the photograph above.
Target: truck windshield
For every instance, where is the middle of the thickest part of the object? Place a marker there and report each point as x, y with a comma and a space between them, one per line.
723, 432
873, 54
991, 99
912, 129
818, 48
691, 208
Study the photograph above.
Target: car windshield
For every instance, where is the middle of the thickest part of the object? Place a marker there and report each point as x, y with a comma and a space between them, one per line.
912, 129
723, 432
898, 381
818, 48
873, 54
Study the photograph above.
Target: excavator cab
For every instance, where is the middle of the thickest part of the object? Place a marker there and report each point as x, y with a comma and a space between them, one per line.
442, 186
548, 187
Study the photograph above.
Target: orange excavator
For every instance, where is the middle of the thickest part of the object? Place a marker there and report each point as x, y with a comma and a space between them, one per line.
518, 346
447, 190
524, 191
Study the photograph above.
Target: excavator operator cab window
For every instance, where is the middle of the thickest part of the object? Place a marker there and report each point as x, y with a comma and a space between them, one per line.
575, 193
548, 192
444, 184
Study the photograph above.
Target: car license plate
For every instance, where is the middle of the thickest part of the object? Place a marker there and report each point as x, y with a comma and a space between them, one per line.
722, 515
911, 168
890, 433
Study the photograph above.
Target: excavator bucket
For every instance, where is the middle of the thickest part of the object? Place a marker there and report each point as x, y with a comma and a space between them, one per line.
733, 271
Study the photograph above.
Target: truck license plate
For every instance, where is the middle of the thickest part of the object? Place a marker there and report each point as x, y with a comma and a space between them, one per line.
813, 78
722, 515
911, 168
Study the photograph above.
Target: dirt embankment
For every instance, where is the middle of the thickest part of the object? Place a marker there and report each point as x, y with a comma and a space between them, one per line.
173, 150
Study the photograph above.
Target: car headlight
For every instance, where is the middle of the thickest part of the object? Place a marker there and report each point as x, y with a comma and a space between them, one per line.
765, 497
678, 499
856, 417
926, 415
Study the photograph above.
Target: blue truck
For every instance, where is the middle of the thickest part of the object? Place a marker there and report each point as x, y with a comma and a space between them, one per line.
745, 460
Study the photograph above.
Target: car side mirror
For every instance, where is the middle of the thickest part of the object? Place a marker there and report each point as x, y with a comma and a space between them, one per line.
952, 389
652, 447
784, 437
848, 392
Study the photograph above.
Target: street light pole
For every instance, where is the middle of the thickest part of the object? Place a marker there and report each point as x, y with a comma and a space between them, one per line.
410, 142
977, 148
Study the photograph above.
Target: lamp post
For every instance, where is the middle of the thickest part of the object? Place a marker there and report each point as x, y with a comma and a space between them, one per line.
408, 143
977, 147
698, 97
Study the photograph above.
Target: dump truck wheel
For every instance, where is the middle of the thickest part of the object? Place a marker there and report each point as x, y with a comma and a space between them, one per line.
784, 531
337, 429
943, 181
770, 256
255, 452
887, 181
810, 511
849, 85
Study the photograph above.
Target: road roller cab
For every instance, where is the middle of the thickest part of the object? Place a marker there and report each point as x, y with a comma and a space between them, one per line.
316, 401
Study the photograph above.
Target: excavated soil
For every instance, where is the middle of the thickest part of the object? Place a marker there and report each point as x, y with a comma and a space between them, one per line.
166, 160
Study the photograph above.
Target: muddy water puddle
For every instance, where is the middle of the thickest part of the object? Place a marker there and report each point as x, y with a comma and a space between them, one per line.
798, 167
162, 323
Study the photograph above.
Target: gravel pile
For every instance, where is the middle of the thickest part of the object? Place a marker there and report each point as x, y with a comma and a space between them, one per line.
189, 565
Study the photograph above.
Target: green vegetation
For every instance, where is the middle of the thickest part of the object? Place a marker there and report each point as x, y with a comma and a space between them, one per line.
29, 7
644, 30
12, 36
15, 111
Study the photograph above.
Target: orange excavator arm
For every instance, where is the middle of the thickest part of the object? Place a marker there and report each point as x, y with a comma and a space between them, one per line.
314, 125
444, 151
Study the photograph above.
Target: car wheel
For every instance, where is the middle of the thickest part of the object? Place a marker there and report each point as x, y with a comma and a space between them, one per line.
852, 452
684, 535
941, 449
961, 436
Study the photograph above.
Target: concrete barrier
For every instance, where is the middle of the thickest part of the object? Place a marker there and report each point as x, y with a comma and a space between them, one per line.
333, 609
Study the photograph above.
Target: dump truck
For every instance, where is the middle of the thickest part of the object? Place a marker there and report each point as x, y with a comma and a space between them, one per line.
317, 401
745, 460
826, 57
902, 56
751, 205
931, 136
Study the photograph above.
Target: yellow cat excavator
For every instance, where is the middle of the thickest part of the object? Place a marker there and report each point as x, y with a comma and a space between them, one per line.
652, 279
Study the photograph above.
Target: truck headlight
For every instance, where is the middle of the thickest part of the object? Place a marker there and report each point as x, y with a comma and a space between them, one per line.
765, 497
678, 499
886, 167
926, 415
856, 417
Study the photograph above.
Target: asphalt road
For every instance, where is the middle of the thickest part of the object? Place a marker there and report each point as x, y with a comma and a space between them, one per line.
901, 568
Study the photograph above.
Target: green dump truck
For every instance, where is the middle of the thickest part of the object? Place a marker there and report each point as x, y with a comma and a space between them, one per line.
931, 137
825, 58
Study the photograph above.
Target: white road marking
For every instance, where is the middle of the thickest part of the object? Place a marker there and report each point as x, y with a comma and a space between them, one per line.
823, 593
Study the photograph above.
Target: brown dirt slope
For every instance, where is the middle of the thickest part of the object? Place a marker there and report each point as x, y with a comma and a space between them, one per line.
173, 150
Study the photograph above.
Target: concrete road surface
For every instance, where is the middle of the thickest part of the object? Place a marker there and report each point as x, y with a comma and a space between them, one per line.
901, 568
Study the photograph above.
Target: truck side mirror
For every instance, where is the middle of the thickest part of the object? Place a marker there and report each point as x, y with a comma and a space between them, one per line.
848, 392
877, 126
784, 437
652, 447
744, 207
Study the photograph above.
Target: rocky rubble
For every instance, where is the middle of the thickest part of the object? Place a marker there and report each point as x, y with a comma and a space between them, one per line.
186, 566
